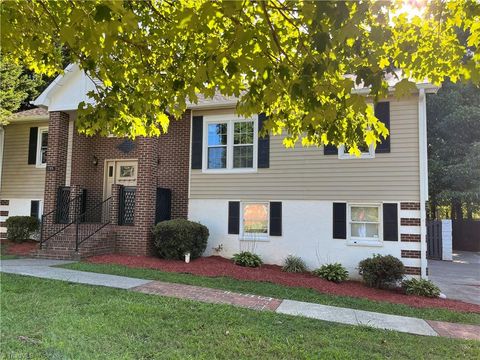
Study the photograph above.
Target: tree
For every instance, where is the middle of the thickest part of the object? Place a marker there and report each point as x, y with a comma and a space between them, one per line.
286, 58
17, 88
453, 116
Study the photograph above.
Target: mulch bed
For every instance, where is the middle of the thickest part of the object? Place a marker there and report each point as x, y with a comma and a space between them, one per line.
215, 266
20, 249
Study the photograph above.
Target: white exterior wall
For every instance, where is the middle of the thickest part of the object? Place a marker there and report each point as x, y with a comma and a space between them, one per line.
17, 207
306, 232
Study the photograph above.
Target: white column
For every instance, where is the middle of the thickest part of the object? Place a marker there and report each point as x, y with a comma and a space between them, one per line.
447, 240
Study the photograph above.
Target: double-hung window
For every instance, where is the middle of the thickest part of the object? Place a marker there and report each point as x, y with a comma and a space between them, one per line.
230, 144
42, 146
255, 221
364, 224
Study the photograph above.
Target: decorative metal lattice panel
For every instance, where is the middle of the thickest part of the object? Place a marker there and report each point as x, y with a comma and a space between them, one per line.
126, 214
63, 205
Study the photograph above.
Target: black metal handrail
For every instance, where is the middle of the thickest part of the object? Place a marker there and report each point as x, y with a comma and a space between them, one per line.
51, 218
91, 221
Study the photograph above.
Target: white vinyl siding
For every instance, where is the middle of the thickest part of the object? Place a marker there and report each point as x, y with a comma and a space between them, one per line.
20, 180
307, 174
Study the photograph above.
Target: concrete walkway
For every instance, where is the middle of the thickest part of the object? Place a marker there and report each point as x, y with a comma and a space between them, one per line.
458, 279
43, 269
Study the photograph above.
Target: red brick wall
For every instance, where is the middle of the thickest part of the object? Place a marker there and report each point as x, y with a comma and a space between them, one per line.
56, 157
162, 162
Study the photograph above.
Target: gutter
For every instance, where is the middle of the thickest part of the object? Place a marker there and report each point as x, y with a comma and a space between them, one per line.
422, 144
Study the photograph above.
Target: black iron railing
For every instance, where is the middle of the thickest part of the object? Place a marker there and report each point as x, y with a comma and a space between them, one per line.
91, 221
126, 206
50, 225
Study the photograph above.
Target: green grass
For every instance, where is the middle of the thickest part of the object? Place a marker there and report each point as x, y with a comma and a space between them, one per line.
48, 319
8, 257
281, 292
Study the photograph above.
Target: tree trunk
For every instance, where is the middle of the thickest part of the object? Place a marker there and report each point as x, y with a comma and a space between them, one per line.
458, 211
469, 211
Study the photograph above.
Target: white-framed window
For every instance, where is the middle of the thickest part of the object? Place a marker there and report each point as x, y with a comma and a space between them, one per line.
254, 221
42, 146
367, 152
230, 144
364, 224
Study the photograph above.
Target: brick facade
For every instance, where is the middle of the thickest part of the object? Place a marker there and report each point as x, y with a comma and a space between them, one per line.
411, 254
413, 270
162, 162
409, 222
410, 237
409, 206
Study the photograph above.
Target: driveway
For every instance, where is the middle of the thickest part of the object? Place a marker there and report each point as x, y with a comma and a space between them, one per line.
458, 279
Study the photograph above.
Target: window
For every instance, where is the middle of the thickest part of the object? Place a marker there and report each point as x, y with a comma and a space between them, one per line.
364, 224
127, 171
367, 152
230, 144
42, 146
255, 221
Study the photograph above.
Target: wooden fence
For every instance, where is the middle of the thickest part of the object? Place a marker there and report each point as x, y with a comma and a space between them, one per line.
466, 235
434, 239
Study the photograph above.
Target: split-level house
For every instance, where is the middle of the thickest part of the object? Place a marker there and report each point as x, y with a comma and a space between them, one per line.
105, 194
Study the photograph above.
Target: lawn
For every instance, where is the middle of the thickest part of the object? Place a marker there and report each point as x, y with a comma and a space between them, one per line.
281, 292
59, 320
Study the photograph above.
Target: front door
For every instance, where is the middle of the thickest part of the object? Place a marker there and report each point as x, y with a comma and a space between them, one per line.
122, 172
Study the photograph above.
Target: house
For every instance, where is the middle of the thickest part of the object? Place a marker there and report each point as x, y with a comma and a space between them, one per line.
252, 193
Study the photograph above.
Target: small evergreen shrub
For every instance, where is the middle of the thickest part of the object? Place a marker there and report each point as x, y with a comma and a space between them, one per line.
248, 259
21, 228
174, 238
421, 287
332, 272
294, 264
381, 271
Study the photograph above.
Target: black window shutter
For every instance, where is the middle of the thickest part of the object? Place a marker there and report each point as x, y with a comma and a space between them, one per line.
263, 144
382, 112
32, 146
339, 220
163, 207
197, 141
390, 222
35, 209
275, 218
330, 150
233, 217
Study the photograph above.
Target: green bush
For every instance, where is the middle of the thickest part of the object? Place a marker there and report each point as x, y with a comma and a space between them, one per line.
294, 264
421, 287
21, 228
381, 271
174, 238
246, 258
332, 272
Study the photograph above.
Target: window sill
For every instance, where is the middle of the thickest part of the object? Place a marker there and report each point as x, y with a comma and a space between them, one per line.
370, 243
229, 171
353, 157
40, 166
262, 239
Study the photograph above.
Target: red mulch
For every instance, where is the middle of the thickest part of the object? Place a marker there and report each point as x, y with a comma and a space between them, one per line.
215, 266
20, 249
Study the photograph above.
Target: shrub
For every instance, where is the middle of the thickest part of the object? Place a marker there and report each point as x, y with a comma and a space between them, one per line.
421, 287
332, 272
381, 271
21, 228
174, 238
246, 258
294, 264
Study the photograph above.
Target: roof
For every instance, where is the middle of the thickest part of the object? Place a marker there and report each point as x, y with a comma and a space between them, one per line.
71, 87
31, 114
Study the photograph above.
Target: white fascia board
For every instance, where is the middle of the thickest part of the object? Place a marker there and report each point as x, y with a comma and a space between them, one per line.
44, 98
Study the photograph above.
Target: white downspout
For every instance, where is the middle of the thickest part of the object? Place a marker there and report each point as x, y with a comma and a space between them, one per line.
2, 134
422, 142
